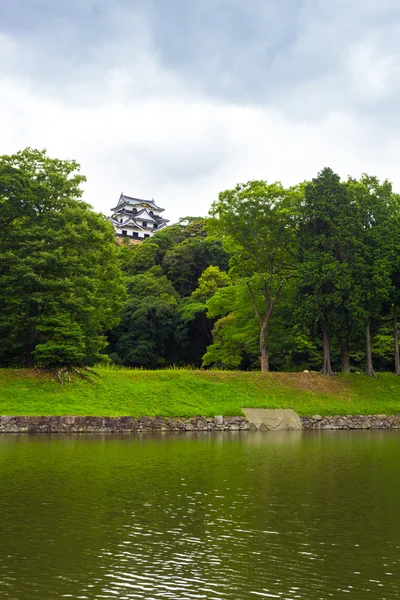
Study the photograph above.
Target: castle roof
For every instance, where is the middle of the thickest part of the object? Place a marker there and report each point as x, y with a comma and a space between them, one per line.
130, 201
130, 223
143, 215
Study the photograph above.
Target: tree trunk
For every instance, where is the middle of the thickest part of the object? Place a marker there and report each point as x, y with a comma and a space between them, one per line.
396, 343
28, 358
264, 350
368, 355
326, 369
345, 357
264, 323
30, 341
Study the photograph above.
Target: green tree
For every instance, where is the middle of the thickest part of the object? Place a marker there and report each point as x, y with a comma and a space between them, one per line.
376, 252
211, 280
326, 244
60, 281
183, 251
141, 257
185, 262
236, 329
257, 224
16, 195
194, 313
146, 335
177, 255
395, 308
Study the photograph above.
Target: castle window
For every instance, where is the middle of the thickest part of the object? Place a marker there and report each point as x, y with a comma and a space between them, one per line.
144, 223
124, 232
155, 226
134, 210
146, 235
135, 234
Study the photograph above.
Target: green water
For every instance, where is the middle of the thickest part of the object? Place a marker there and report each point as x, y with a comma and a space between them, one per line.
238, 516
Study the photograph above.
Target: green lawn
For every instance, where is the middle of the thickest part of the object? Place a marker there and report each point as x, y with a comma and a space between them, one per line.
185, 393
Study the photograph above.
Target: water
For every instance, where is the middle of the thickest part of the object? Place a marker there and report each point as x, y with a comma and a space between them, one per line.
238, 516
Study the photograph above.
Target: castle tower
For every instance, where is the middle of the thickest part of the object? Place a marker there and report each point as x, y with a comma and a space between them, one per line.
137, 219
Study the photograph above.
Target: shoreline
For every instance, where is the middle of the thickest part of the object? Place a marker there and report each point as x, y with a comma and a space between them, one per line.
79, 424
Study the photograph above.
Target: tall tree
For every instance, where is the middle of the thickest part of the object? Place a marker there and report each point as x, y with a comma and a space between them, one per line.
395, 308
256, 222
326, 242
60, 280
376, 252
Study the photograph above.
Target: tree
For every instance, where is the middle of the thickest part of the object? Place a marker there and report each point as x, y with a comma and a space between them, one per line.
183, 251
211, 280
256, 222
395, 307
177, 255
376, 252
60, 281
236, 329
326, 243
194, 313
141, 257
16, 195
145, 337
185, 262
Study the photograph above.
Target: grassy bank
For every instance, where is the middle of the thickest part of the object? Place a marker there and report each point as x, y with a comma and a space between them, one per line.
190, 393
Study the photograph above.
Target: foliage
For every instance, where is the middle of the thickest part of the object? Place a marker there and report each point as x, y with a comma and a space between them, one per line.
185, 262
300, 260
256, 222
211, 280
277, 278
145, 336
60, 281
326, 238
155, 331
235, 332
376, 251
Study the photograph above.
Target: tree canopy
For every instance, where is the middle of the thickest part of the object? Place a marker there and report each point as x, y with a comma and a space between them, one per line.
280, 278
255, 221
60, 280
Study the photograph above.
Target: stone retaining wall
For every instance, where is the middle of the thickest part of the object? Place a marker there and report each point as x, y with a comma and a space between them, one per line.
118, 424
218, 423
352, 422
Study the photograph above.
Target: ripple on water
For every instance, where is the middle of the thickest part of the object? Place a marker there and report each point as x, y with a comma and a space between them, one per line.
309, 517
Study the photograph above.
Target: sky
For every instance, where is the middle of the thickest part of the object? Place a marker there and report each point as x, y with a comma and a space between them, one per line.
178, 100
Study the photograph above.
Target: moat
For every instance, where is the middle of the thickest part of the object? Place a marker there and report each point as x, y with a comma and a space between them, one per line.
306, 515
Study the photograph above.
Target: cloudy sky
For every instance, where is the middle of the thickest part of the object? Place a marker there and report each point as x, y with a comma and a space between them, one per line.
180, 99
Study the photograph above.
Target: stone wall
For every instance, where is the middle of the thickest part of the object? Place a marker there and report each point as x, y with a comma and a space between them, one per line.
118, 424
218, 423
351, 422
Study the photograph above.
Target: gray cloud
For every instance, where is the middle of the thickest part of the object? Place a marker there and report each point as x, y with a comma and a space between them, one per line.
180, 99
340, 54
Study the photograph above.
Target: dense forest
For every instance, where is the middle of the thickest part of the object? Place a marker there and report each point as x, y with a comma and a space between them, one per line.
275, 278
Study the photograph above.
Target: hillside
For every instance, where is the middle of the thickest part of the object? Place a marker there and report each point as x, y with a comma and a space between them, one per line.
186, 393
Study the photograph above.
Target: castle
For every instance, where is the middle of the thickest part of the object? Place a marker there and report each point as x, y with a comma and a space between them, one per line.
137, 219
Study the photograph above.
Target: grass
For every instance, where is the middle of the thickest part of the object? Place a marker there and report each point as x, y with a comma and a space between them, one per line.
185, 393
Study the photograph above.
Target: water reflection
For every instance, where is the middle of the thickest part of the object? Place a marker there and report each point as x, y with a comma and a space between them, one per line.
280, 515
